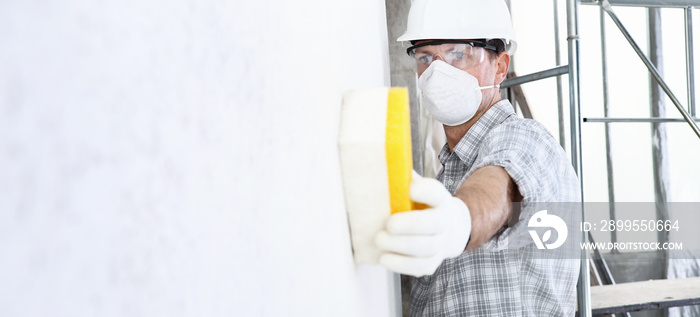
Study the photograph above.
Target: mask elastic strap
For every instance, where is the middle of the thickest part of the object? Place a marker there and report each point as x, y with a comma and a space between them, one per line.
489, 87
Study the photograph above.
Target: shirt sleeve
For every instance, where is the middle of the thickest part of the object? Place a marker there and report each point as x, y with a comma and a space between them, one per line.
535, 162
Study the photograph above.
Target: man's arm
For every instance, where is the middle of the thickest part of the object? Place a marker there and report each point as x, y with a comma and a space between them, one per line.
416, 242
488, 193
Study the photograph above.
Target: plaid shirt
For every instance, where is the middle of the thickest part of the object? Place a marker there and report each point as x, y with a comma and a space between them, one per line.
498, 279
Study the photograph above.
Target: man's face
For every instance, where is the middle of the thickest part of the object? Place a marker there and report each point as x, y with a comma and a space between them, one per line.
476, 61
473, 60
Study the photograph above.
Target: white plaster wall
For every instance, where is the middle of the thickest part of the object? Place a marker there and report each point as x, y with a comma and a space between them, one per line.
179, 158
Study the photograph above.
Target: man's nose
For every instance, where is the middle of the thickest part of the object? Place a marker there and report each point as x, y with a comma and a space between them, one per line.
438, 57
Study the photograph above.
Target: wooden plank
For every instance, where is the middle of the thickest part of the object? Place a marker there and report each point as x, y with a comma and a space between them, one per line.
520, 99
647, 3
647, 295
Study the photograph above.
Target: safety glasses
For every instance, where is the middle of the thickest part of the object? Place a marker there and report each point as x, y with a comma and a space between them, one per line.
460, 54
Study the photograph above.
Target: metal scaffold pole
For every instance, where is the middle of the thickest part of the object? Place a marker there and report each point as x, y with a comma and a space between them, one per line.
690, 59
607, 112
583, 287
557, 60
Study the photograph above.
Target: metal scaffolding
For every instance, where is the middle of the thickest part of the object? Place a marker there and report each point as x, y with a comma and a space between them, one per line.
572, 69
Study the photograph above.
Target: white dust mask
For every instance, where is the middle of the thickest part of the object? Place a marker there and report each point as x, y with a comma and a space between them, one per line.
451, 95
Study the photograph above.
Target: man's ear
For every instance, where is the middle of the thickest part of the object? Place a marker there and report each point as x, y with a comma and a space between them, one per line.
502, 63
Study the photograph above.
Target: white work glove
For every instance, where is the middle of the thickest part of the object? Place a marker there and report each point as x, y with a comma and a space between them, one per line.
416, 242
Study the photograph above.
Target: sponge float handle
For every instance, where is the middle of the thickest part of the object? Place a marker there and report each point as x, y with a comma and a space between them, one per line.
376, 163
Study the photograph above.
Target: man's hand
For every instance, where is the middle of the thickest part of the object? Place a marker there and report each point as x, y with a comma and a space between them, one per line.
416, 242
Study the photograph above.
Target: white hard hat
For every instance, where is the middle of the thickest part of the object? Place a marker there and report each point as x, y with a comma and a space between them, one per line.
460, 19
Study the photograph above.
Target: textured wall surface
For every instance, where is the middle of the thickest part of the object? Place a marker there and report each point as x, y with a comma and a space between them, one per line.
179, 158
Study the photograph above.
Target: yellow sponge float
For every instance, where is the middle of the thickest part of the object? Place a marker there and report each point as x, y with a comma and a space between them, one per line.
376, 163
399, 161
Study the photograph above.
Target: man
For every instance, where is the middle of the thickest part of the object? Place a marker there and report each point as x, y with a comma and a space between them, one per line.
468, 249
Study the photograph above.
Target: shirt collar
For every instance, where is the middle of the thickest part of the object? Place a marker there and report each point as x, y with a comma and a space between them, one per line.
465, 149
